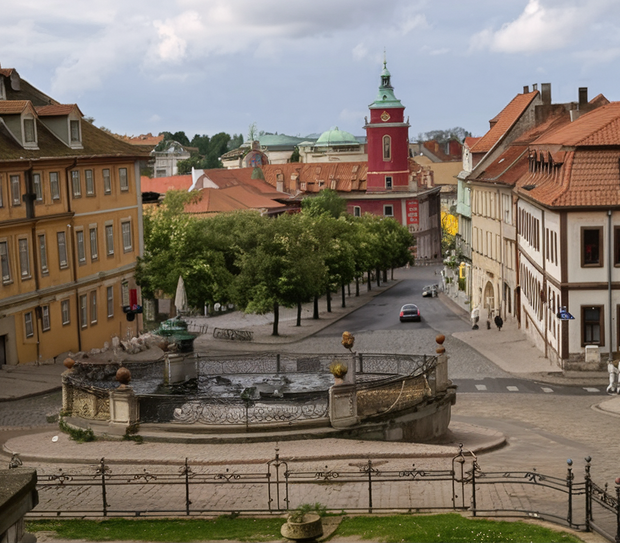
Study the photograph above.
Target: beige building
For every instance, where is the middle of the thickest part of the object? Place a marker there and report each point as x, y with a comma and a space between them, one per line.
70, 228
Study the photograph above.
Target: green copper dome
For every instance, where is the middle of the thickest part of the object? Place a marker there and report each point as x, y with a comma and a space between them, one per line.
336, 137
385, 97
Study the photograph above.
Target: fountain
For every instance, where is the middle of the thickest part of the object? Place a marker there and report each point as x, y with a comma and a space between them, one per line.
264, 396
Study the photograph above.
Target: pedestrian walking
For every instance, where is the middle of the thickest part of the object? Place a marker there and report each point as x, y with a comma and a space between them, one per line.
499, 322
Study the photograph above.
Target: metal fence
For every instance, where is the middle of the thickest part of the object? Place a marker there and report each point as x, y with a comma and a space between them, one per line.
365, 486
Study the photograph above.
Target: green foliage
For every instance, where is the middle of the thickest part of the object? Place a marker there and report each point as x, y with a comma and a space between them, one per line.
443, 136
295, 155
299, 513
327, 201
77, 434
448, 528
462, 285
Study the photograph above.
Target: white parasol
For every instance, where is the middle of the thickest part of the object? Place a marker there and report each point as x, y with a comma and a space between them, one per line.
180, 299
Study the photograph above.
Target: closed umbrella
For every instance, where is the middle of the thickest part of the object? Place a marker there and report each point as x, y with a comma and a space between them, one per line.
180, 299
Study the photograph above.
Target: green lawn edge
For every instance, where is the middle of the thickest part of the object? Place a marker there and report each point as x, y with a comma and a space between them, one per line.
441, 528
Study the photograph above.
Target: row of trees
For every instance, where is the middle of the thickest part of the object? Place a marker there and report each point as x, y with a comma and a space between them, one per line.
261, 263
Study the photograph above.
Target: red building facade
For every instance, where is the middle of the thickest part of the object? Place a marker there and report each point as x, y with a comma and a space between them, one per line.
388, 141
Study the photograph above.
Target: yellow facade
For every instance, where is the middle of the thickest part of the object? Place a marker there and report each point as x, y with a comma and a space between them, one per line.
70, 233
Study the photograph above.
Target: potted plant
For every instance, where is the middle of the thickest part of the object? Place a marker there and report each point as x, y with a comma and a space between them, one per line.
338, 370
304, 522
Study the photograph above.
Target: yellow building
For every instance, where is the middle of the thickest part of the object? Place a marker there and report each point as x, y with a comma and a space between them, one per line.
70, 228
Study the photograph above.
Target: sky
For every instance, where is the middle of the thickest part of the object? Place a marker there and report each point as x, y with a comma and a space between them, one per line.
298, 67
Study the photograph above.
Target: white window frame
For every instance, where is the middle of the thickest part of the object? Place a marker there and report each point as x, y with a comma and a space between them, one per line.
89, 179
93, 307
389, 180
16, 190
30, 136
38, 187
109, 239
126, 234
76, 184
28, 324
83, 300
357, 211
107, 181
61, 238
43, 254
385, 208
110, 301
54, 186
123, 179
125, 293
65, 312
5, 262
81, 246
94, 243
45, 318
387, 149
75, 132
24, 258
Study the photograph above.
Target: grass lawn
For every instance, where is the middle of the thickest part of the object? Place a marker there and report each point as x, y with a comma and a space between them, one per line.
444, 528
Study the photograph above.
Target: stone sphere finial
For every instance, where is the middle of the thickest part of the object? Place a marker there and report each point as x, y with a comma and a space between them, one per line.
348, 340
68, 363
440, 348
123, 376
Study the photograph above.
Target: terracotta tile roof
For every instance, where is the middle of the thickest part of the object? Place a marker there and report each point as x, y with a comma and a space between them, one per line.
57, 109
504, 121
143, 139
162, 185
230, 199
507, 169
587, 178
13, 107
598, 127
342, 176
6, 72
470, 142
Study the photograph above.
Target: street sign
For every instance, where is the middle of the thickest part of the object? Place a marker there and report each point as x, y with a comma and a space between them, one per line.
564, 315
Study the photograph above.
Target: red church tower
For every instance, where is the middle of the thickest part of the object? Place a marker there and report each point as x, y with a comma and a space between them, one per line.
388, 141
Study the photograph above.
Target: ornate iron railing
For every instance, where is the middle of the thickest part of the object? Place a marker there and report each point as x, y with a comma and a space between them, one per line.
365, 485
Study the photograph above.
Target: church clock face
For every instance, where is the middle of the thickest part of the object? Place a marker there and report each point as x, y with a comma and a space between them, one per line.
385, 116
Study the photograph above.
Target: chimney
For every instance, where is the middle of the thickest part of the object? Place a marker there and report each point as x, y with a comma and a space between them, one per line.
583, 96
546, 93
526, 89
535, 87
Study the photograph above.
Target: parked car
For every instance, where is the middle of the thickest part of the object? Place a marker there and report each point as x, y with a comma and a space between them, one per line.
430, 291
410, 312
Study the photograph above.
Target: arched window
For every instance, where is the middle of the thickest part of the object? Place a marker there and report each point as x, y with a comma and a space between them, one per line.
387, 148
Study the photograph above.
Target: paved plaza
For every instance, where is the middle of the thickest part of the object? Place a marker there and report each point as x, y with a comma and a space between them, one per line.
515, 432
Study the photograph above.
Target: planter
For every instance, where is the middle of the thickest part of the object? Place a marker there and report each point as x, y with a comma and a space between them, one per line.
310, 528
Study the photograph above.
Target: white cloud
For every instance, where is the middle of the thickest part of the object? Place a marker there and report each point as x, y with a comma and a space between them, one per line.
542, 26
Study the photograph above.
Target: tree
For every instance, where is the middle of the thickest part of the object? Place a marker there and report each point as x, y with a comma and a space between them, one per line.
327, 201
443, 136
176, 245
295, 155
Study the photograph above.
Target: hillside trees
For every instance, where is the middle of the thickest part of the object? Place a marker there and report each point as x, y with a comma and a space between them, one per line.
259, 263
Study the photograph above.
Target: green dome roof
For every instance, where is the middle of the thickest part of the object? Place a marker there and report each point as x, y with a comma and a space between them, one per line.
336, 137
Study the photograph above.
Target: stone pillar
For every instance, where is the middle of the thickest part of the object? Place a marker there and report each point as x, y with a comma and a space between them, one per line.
178, 369
343, 406
67, 387
18, 496
441, 370
124, 407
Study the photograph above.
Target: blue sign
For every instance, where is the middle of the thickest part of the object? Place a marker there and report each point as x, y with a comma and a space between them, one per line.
564, 315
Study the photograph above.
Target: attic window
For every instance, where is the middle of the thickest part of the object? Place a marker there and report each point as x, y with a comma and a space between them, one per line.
29, 135
75, 132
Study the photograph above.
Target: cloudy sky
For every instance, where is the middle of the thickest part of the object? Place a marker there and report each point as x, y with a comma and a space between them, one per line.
299, 67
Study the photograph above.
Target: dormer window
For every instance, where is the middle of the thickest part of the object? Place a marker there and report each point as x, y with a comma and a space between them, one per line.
29, 133
75, 132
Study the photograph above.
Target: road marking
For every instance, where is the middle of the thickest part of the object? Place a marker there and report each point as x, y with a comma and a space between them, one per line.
513, 388
591, 389
547, 389
481, 387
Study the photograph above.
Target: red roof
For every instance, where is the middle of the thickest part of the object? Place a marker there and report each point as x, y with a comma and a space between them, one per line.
143, 139
164, 184
230, 199
13, 107
57, 109
504, 121
598, 127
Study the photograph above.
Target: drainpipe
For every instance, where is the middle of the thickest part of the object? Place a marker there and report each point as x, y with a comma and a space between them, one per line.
73, 256
609, 266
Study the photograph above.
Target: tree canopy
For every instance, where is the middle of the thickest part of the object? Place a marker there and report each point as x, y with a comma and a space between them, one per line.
261, 263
